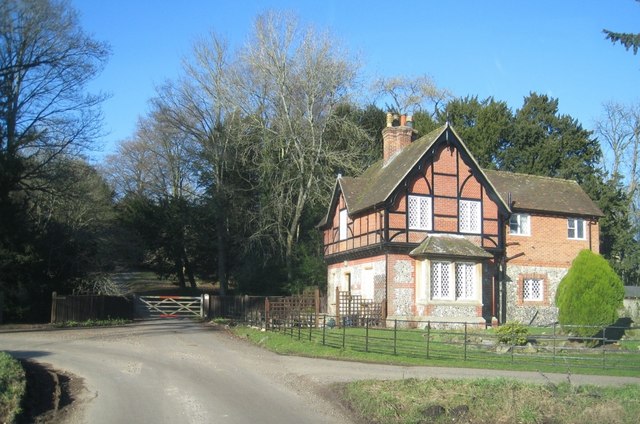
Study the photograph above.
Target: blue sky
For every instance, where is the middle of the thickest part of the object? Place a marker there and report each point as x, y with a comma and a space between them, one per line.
500, 48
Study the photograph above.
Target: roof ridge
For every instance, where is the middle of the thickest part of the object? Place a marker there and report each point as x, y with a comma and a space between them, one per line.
530, 175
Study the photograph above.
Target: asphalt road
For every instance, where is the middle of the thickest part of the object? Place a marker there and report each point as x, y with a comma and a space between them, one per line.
178, 371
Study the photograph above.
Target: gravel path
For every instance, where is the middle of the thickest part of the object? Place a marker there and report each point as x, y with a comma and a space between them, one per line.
180, 371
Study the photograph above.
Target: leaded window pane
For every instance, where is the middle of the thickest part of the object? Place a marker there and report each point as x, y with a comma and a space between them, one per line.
533, 289
420, 212
414, 212
470, 216
440, 277
465, 280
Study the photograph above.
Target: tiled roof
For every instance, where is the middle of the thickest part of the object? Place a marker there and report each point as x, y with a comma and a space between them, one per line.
543, 194
377, 183
527, 192
450, 246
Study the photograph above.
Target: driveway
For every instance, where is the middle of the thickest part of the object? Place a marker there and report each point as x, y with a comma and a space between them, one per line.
178, 371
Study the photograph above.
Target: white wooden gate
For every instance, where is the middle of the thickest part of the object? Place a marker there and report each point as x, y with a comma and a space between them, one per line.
169, 306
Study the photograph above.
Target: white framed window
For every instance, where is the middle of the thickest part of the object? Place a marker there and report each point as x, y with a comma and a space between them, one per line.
343, 224
575, 228
533, 289
469, 214
520, 224
441, 280
453, 280
420, 213
465, 280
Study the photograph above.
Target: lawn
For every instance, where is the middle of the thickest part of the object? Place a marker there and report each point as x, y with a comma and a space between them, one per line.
477, 349
489, 401
462, 401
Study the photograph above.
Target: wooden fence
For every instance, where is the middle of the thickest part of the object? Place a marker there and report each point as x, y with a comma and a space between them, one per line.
354, 310
300, 310
89, 307
244, 308
265, 310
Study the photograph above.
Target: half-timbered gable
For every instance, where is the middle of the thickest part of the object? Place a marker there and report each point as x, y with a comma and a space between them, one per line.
434, 237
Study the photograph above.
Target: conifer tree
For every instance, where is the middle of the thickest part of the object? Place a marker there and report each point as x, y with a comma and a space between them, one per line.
589, 295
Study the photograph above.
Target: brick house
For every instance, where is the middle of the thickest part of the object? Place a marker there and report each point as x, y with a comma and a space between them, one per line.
434, 237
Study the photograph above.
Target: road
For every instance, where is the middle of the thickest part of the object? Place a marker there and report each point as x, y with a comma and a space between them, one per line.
179, 371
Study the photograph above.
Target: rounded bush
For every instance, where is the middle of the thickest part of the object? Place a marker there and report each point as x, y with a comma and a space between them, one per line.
513, 333
589, 296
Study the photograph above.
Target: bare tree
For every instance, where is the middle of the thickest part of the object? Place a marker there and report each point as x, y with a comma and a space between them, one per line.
411, 94
129, 169
620, 130
202, 107
157, 165
615, 131
46, 61
291, 81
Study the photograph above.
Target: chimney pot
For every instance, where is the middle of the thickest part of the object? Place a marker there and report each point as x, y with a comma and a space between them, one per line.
403, 120
389, 119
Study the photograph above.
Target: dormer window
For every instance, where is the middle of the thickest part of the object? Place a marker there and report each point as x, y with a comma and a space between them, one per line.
575, 228
470, 216
520, 224
420, 213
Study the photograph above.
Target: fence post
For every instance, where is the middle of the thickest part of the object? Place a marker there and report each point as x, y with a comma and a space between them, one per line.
245, 302
366, 335
428, 337
465, 341
54, 306
513, 342
338, 321
311, 326
604, 350
344, 335
554, 343
324, 328
395, 336
317, 302
299, 325
266, 312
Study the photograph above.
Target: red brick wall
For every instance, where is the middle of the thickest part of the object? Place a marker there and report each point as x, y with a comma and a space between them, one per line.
548, 244
439, 173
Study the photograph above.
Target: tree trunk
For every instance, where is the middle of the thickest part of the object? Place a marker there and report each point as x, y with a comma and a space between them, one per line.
180, 273
189, 269
222, 254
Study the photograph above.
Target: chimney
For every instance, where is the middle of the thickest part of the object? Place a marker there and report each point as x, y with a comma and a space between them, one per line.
396, 138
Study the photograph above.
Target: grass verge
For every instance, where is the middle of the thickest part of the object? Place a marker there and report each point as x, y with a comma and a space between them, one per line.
93, 323
13, 386
410, 352
489, 401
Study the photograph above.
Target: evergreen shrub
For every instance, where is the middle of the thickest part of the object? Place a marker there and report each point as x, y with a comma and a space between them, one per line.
589, 296
513, 333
